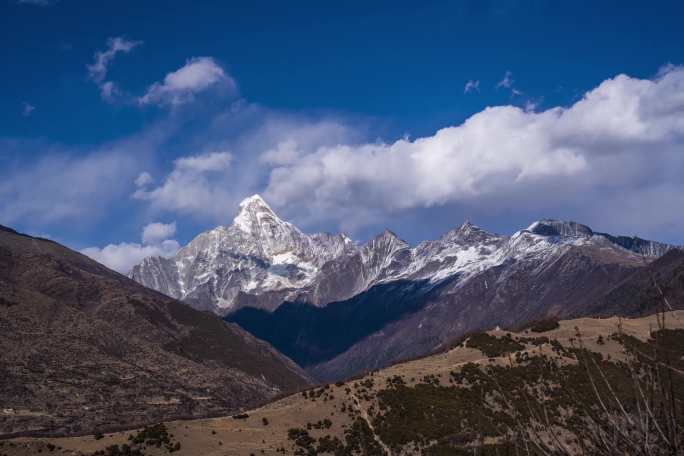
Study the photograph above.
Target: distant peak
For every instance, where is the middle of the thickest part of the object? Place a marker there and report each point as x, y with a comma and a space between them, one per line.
388, 237
552, 227
468, 232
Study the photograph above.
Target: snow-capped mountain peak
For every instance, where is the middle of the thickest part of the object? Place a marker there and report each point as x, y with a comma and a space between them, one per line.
468, 233
261, 260
256, 217
551, 227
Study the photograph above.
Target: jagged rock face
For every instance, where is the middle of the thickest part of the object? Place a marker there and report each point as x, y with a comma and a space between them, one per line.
467, 280
262, 261
575, 281
259, 254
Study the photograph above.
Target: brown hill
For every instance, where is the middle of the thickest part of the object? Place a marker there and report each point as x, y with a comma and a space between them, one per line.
85, 348
534, 392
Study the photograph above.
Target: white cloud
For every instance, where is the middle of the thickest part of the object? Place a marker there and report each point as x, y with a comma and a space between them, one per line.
122, 257
622, 142
143, 179
532, 105
292, 139
209, 186
180, 86
156, 232
64, 186
98, 69
195, 185
472, 86
215, 161
506, 82
27, 109
286, 151
44, 183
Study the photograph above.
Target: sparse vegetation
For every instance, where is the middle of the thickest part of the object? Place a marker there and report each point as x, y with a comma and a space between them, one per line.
547, 324
493, 346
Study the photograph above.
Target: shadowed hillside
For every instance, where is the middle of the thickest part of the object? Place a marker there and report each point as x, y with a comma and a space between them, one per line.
85, 348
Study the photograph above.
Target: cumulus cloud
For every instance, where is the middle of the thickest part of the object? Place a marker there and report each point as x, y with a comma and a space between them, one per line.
181, 86
157, 232
292, 139
122, 257
622, 142
209, 186
195, 185
98, 69
472, 86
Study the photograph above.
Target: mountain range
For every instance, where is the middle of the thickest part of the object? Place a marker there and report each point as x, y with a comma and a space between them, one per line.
262, 261
339, 308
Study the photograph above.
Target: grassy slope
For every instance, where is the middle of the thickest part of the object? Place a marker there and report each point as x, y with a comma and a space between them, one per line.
417, 402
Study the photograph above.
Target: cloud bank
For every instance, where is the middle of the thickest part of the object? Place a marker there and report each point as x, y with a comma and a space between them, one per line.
618, 153
195, 185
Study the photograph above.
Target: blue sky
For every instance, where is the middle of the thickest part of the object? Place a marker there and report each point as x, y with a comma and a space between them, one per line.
333, 113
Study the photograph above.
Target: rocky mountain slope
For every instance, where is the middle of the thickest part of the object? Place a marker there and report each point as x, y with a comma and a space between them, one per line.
85, 348
575, 282
262, 261
496, 393
339, 308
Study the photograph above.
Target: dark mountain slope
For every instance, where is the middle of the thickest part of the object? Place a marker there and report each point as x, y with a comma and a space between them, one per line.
86, 348
404, 319
309, 334
564, 285
638, 294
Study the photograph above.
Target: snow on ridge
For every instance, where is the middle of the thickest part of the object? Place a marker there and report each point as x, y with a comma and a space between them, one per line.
260, 253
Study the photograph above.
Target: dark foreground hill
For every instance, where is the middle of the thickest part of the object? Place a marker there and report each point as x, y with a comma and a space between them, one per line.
84, 348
